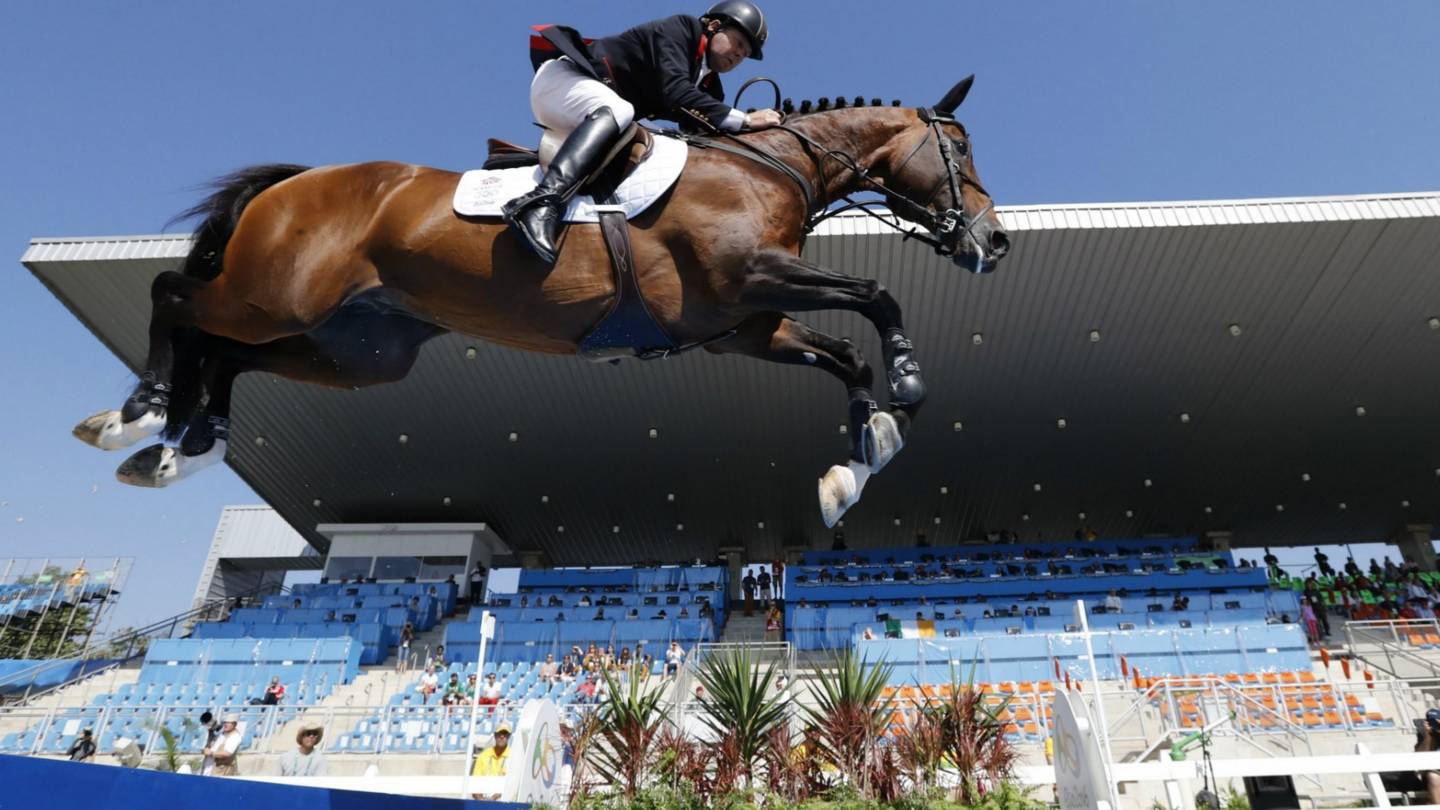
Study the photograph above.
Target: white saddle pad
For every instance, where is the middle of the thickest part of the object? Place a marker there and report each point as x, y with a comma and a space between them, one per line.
482, 192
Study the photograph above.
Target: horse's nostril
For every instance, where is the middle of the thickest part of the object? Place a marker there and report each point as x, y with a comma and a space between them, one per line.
999, 243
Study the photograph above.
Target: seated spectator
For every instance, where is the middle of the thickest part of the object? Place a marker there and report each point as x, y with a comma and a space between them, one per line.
625, 660
274, 693
662, 614
868, 634
1113, 603
429, 684
584, 601
987, 615
599, 615
83, 748
297, 604
674, 659
490, 691
549, 671
454, 690
684, 614
221, 757
567, 669
958, 614
304, 760
524, 601
587, 691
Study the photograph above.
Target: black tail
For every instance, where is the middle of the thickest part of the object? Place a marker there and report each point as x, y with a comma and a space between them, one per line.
221, 211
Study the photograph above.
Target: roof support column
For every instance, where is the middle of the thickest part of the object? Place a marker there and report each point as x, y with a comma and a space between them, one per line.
1414, 542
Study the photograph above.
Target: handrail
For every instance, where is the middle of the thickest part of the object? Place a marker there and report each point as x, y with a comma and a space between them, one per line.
1373, 631
128, 640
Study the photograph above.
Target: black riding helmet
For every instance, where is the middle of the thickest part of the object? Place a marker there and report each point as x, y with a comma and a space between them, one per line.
747, 17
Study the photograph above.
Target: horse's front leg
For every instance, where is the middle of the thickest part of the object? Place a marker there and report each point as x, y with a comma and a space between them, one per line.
777, 338
783, 281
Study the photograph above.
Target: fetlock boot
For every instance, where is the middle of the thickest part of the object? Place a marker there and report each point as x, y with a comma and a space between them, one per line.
536, 216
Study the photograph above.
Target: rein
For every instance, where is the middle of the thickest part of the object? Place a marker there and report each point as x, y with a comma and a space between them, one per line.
940, 225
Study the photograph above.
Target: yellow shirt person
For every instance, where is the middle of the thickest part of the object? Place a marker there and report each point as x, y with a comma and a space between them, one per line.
491, 761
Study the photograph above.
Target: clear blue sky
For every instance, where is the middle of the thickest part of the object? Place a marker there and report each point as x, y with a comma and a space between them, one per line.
115, 111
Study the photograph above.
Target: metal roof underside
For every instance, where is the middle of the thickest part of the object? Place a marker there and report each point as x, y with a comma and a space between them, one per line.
1333, 297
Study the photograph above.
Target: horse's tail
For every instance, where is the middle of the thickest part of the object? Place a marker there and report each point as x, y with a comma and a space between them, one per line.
221, 212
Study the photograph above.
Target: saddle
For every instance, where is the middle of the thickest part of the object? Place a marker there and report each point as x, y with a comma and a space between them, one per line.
630, 150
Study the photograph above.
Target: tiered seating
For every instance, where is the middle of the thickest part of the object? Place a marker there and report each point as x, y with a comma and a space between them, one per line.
1253, 700
410, 725
618, 607
371, 613
21, 601
835, 597
181, 678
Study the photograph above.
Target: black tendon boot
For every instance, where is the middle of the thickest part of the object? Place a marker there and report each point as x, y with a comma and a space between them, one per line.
536, 216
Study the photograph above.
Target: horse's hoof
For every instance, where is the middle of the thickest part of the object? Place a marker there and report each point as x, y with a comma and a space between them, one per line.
838, 492
883, 440
107, 431
160, 466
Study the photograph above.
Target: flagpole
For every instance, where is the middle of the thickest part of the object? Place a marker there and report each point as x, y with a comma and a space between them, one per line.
487, 629
1082, 615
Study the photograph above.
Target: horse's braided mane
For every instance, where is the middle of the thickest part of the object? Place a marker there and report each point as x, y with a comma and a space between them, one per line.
824, 104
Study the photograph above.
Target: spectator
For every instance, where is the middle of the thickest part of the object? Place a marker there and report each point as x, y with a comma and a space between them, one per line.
684, 613
868, 634
774, 623
222, 758
777, 577
674, 659
747, 586
454, 691
1113, 603
490, 691
567, 669
295, 605
1322, 561
477, 585
586, 692
1307, 617
549, 671
1391, 571
305, 760
492, 761
437, 657
1351, 568
706, 611
83, 748
625, 659
762, 583
599, 614
429, 683
407, 635
584, 601
470, 687
274, 693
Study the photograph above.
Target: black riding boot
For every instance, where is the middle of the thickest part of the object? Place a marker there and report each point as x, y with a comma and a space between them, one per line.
536, 216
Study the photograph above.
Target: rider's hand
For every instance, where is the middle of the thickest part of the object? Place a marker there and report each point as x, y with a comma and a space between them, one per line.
762, 119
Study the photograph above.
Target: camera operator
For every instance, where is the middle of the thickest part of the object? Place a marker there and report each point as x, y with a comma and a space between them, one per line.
1427, 739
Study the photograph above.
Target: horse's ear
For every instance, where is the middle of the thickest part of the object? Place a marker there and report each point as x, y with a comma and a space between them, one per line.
957, 94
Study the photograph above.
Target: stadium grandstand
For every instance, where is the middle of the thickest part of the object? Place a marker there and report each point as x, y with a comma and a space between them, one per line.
1056, 524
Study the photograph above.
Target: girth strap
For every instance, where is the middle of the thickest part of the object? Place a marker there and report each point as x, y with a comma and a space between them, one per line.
629, 328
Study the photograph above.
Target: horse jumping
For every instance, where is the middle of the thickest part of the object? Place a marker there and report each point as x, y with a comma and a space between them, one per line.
338, 275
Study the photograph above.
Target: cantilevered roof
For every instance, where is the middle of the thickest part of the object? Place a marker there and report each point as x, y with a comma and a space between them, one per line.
1209, 360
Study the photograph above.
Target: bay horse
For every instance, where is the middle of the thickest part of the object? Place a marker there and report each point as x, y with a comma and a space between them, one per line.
338, 275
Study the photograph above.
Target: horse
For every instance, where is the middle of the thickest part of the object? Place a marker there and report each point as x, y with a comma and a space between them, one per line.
338, 275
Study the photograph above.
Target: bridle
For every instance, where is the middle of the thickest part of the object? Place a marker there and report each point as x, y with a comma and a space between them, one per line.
947, 229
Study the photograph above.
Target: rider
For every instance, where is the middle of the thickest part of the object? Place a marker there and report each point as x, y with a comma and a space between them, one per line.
594, 89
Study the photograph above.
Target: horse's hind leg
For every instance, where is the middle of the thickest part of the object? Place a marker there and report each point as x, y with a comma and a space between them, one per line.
778, 338
354, 349
172, 339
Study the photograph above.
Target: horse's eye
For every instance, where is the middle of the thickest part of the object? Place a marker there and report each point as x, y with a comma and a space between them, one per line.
962, 148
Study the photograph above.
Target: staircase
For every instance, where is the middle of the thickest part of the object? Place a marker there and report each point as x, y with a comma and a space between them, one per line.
740, 629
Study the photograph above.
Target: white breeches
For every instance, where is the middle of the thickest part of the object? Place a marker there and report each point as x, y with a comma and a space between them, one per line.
561, 96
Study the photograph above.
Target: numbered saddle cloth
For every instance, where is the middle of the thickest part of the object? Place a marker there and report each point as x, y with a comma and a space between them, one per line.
482, 192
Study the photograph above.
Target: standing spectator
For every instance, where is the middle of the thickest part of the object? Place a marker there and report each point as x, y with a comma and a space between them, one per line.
763, 582
777, 577
274, 693
1272, 564
83, 748
429, 683
407, 635
1392, 571
492, 761
304, 760
1322, 561
674, 659
1307, 618
1352, 568
477, 585
222, 757
747, 586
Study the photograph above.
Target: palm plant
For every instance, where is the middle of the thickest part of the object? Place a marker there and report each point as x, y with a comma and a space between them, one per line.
742, 703
622, 748
850, 713
960, 730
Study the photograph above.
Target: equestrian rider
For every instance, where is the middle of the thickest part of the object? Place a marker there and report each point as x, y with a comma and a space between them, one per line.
594, 89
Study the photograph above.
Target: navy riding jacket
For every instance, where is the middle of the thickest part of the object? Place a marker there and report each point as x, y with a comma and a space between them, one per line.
653, 66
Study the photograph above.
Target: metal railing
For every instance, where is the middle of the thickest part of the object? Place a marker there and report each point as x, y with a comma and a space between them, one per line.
122, 648
1391, 646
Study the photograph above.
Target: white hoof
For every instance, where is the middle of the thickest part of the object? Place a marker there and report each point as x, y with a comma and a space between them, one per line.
882, 440
160, 466
106, 431
840, 489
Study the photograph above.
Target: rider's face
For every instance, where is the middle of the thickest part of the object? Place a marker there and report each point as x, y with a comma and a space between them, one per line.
728, 48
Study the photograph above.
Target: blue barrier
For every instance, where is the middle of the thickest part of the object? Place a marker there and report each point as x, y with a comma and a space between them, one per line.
1180, 545
32, 782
